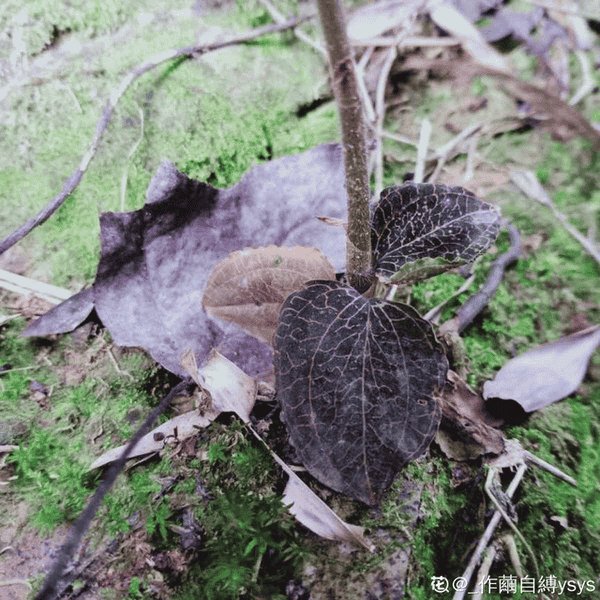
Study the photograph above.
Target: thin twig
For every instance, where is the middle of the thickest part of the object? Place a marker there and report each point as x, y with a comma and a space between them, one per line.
484, 571
422, 150
529, 184
471, 153
443, 152
131, 153
400, 138
487, 535
362, 88
409, 42
380, 104
493, 473
25, 286
588, 83
182, 53
433, 315
542, 464
279, 18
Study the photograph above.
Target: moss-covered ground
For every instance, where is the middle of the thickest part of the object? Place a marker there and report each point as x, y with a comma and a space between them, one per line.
63, 401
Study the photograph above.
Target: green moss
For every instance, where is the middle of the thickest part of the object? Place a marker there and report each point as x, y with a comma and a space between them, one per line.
450, 521
559, 521
251, 546
50, 469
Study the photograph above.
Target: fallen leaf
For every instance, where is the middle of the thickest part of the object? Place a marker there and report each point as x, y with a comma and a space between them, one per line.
466, 431
230, 389
378, 17
249, 286
179, 428
547, 373
314, 514
155, 262
356, 379
420, 230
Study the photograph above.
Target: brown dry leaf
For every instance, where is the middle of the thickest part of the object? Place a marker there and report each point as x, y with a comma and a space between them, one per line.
249, 286
230, 389
313, 513
547, 373
467, 430
373, 19
178, 428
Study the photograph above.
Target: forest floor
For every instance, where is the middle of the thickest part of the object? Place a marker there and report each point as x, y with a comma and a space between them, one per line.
205, 520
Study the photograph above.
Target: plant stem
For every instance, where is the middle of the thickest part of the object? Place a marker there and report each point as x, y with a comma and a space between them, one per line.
345, 88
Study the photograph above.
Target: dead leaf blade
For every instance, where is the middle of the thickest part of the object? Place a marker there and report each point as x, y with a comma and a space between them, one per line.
547, 373
249, 286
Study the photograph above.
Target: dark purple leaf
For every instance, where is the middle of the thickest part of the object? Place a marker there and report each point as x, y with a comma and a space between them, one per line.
64, 317
155, 261
356, 379
420, 230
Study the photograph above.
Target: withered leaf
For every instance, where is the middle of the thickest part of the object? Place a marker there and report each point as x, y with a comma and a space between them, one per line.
467, 431
356, 379
420, 230
547, 373
229, 390
249, 286
155, 261
314, 514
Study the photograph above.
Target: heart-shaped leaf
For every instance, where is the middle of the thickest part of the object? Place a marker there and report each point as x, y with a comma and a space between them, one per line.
420, 230
249, 286
356, 379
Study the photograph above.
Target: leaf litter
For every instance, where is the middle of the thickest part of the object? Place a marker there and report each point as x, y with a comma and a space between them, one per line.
87, 305
155, 262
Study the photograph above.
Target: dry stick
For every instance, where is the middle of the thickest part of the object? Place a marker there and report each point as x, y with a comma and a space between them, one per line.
409, 41
400, 138
443, 153
471, 153
529, 184
50, 585
73, 181
476, 303
487, 535
380, 106
362, 88
343, 76
588, 83
131, 153
484, 570
422, 151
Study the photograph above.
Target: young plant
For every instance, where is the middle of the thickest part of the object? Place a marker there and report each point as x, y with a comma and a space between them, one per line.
357, 375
